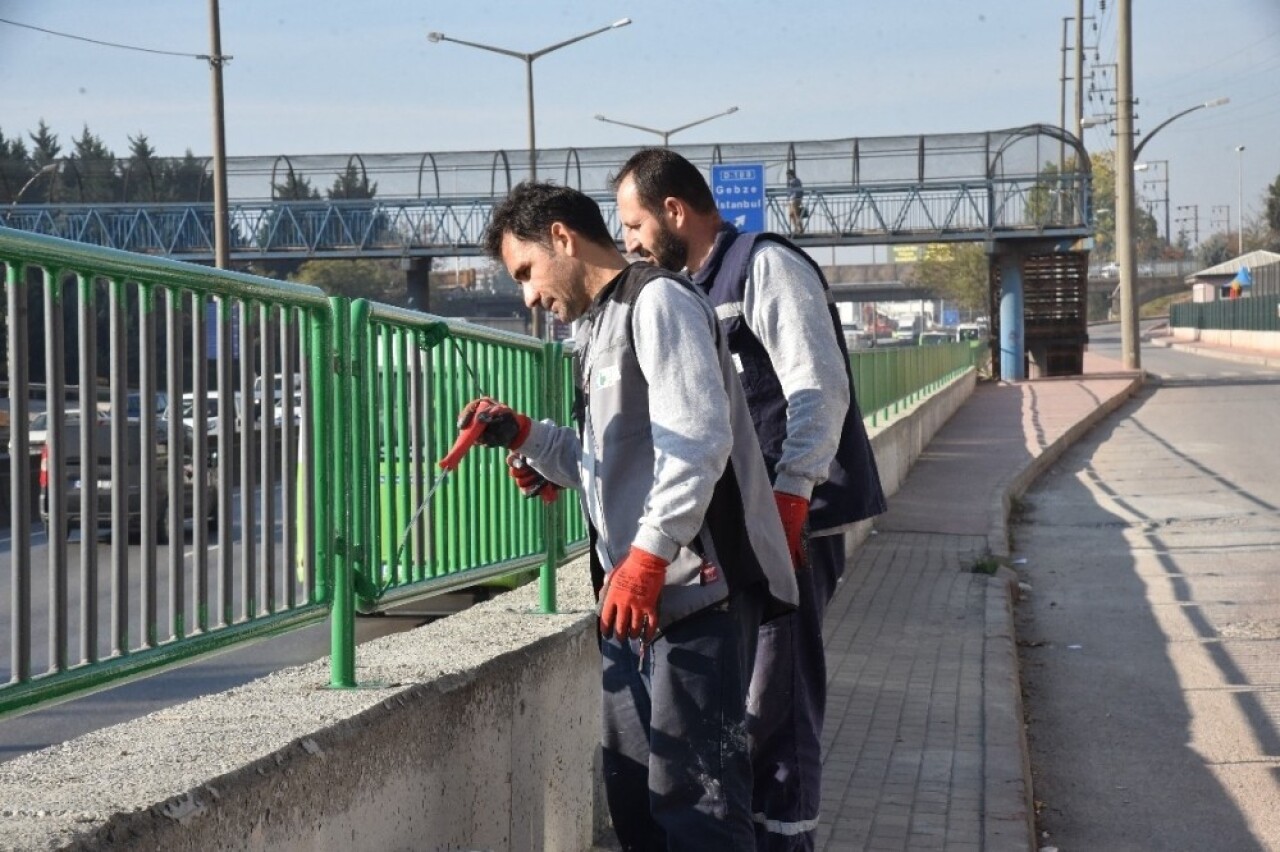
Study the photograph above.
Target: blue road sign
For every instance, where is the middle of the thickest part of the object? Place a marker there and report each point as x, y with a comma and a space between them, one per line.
739, 192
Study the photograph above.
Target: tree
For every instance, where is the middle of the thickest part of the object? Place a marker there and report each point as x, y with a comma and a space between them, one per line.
296, 187
378, 280
1272, 211
186, 180
1147, 242
92, 166
960, 274
45, 150
144, 174
353, 183
1218, 248
15, 168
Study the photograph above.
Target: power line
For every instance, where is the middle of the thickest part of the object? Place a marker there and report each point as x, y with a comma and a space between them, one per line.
204, 56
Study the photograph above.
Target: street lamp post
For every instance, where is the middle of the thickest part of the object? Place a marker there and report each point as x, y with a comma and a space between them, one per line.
1240, 203
44, 170
667, 134
1127, 154
538, 321
527, 59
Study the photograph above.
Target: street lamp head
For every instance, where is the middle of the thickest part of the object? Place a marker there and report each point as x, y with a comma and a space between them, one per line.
1239, 148
622, 23
434, 37
730, 110
48, 167
1217, 102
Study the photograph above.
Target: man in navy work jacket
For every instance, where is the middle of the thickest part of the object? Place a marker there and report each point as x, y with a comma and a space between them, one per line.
783, 330
685, 537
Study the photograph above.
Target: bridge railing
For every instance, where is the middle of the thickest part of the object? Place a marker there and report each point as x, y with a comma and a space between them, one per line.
448, 226
228, 457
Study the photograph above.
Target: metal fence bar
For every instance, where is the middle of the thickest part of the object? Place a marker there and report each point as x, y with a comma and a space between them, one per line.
178, 461
88, 380
56, 466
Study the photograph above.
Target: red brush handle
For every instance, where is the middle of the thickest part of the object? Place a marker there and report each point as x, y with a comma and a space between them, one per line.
466, 440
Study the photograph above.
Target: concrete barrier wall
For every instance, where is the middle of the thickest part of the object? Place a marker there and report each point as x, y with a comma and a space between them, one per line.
478, 731
1263, 341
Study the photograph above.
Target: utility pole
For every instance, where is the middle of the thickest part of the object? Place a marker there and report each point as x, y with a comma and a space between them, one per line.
1164, 199
221, 227
1079, 69
1220, 216
1194, 219
1129, 343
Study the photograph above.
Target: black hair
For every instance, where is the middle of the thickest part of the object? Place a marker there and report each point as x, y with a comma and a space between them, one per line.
530, 210
660, 173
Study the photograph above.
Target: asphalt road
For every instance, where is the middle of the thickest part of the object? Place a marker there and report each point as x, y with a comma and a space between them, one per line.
1150, 637
244, 663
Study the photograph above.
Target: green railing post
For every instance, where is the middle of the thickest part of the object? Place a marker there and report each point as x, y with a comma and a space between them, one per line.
320, 463
342, 666
554, 537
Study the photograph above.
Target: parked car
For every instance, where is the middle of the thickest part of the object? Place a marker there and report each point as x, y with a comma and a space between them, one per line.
1109, 270
196, 472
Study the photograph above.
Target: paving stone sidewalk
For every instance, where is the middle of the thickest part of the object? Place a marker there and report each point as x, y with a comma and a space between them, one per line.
924, 746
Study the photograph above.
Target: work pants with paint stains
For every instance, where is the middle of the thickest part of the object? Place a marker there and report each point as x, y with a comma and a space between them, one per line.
785, 709
676, 766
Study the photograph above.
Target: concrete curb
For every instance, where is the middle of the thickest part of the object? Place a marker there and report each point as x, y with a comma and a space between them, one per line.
1009, 807
1016, 485
1221, 354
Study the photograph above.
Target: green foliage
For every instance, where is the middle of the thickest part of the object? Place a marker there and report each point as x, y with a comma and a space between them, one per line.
90, 171
1147, 242
15, 168
961, 275
1272, 206
353, 183
378, 280
1216, 249
296, 187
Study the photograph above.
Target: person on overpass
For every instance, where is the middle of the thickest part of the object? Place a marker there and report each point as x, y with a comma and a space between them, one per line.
670, 473
773, 304
795, 203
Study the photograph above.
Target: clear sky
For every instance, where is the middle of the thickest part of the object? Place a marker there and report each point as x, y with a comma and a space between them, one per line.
316, 76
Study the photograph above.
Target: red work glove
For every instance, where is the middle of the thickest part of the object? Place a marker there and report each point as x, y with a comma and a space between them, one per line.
631, 593
503, 427
529, 481
794, 512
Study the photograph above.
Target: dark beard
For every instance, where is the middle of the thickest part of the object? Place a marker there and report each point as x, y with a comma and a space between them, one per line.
669, 251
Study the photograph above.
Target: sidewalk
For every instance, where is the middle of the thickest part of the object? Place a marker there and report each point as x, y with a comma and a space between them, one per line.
1239, 354
924, 746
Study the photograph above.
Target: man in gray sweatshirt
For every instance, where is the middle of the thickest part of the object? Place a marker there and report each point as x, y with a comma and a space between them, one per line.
685, 537
776, 311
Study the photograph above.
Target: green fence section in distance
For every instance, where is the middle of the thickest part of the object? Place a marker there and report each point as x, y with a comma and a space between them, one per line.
889, 379
1256, 313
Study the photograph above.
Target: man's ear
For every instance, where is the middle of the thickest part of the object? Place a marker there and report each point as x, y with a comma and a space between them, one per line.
563, 239
674, 211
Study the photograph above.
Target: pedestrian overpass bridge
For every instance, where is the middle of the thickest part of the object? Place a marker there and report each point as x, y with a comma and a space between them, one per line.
1023, 183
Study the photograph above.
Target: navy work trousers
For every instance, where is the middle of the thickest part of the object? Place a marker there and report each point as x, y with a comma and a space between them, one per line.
785, 709
677, 770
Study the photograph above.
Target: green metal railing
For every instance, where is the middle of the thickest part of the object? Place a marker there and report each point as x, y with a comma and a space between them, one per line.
1256, 313
893, 378
320, 509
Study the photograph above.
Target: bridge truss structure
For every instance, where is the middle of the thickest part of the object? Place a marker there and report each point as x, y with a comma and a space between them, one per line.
1027, 182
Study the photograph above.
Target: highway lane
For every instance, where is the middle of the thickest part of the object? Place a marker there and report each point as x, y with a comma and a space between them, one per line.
1151, 630
216, 673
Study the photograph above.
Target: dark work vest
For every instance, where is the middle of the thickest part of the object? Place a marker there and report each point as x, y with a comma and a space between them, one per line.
726, 528
852, 491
